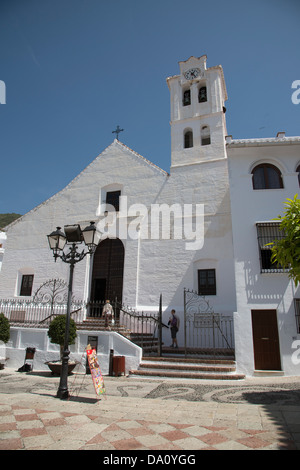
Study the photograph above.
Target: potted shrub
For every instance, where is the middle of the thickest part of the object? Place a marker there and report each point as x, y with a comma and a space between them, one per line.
56, 334
4, 333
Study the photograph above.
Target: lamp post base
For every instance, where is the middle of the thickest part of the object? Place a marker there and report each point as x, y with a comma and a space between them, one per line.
62, 394
62, 391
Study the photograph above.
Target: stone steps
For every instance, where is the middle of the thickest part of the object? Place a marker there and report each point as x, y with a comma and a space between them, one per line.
200, 364
187, 368
204, 353
145, 341
98, 324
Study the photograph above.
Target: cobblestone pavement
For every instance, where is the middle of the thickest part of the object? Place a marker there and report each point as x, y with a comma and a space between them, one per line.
148, 414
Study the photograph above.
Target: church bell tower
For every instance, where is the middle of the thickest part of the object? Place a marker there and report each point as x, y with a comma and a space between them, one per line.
198, 125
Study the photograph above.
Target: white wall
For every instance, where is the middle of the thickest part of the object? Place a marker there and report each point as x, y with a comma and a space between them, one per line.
256, 290
21, 338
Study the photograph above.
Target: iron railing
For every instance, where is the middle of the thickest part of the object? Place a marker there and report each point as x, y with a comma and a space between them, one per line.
36, 314
50, 300
206, 332
142, 327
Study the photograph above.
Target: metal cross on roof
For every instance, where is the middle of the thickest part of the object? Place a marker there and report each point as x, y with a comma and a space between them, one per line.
117, 131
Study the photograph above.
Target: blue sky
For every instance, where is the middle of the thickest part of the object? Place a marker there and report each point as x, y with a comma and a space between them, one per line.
75, 69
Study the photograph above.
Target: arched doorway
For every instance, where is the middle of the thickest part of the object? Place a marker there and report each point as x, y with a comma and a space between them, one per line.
108, 268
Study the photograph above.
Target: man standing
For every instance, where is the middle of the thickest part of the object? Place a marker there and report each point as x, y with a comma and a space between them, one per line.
174, 323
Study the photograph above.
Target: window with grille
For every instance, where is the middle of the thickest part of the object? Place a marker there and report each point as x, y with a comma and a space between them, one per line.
26, 285
207, 282
297, 314
268, 232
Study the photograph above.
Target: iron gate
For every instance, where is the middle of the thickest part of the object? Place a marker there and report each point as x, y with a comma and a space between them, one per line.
205, 331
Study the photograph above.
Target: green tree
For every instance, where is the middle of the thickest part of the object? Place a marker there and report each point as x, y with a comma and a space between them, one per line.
286, 252
6, 219
4, 328
57, 329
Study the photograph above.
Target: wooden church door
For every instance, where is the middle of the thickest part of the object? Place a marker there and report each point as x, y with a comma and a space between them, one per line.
108, 268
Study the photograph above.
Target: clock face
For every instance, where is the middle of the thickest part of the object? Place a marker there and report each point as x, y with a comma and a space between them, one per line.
192, 73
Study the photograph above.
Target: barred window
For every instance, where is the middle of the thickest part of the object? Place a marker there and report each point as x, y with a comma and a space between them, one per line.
207, 282
297, 314
268, 232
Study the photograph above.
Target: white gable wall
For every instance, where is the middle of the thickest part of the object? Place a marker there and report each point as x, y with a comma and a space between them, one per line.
27, 245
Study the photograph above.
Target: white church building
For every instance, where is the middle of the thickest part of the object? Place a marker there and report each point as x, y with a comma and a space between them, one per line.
203, 227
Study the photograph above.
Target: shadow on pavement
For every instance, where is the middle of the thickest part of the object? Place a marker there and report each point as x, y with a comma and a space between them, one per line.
282, 410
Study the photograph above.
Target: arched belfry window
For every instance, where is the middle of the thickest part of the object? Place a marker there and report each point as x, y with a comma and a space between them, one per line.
188, 139
205, 135
186, 101
267, 176
202, 95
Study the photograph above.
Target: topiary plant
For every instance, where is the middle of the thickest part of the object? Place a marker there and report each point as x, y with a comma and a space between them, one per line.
4, 328
57, 329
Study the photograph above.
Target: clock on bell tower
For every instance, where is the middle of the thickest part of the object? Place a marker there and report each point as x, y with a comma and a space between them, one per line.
198, 125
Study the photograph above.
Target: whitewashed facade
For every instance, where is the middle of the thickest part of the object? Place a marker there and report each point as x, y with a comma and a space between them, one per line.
205, 170
261, 287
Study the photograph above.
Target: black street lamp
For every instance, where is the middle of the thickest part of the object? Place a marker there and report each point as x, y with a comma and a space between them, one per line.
72, 235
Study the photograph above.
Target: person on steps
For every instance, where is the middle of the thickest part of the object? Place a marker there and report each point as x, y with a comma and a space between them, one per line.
108, 313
